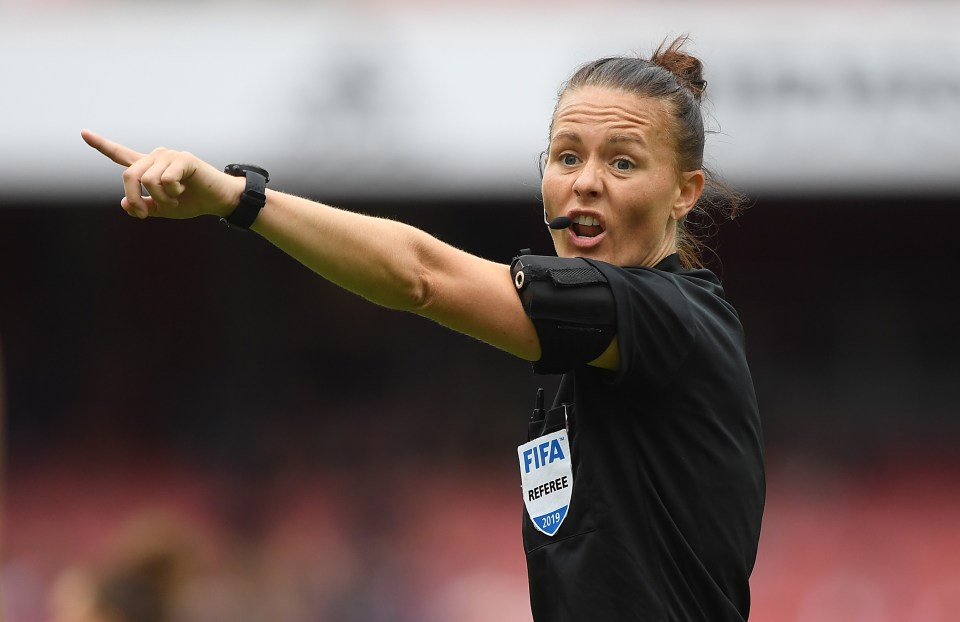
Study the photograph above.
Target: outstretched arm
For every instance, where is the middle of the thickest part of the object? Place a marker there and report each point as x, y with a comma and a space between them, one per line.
387, 262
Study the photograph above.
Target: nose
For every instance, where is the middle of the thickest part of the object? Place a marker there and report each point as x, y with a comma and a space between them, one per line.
588, 184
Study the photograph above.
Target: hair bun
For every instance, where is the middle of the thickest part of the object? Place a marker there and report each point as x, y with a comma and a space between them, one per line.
688, 69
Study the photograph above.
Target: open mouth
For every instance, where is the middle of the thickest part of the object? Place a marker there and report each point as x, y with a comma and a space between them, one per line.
586, 226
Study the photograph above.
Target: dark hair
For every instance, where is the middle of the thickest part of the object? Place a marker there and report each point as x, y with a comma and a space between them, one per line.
675, 78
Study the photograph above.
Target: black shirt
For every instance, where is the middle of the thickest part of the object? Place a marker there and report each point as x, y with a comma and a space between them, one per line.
668, 482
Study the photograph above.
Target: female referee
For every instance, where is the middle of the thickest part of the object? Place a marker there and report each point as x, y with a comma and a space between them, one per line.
644, 485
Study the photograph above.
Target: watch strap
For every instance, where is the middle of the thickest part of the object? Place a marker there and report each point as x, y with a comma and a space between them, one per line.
254, 195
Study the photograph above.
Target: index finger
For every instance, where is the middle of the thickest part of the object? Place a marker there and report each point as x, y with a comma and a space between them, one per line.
124, 156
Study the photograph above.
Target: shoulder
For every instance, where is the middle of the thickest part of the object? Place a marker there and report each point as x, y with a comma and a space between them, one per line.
685, 290
661, 313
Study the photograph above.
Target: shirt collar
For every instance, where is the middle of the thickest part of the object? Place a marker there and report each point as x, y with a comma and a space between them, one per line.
670, 263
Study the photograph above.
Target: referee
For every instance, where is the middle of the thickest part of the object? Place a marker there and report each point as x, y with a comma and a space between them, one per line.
643, 483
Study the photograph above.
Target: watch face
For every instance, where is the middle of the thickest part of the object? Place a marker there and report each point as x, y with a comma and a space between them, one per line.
240, 170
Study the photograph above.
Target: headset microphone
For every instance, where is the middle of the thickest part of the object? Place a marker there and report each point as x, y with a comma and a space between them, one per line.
560, 222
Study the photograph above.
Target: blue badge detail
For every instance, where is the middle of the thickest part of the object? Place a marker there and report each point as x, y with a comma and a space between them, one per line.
549, 523
542, 455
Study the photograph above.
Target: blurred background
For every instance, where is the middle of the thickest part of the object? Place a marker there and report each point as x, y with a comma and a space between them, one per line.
197, 427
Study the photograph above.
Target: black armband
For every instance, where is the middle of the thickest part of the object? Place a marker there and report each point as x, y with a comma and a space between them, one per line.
571, 306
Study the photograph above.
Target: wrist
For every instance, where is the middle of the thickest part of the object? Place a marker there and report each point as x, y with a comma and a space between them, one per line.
251, 198
234, 190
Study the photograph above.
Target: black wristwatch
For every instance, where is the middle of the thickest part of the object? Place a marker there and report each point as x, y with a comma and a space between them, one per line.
254, 195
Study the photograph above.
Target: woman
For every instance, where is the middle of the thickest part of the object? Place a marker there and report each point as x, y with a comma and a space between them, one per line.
644, 484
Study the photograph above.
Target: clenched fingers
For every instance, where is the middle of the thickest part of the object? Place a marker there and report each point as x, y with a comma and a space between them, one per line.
132, 188
161, 174
162, 179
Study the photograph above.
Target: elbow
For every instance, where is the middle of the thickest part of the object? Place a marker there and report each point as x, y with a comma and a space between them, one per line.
416, 289
408, 292
417, 296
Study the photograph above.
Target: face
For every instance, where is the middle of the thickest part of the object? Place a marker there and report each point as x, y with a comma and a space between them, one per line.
611, 168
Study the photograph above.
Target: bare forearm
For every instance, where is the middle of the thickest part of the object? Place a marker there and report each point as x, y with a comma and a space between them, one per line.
387, 262
379, 259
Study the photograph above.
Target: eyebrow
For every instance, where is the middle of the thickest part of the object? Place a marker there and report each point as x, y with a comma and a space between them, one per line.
567, 135
629, 137
616, 138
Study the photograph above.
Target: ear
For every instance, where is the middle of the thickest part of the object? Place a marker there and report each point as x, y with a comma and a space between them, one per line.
691, 187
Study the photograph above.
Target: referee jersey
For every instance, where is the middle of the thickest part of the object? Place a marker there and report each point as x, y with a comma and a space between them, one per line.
668, 476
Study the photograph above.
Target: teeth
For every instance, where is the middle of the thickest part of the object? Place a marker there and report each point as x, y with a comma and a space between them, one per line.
588, 221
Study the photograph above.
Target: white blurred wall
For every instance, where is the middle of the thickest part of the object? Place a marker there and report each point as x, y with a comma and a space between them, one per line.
432, 98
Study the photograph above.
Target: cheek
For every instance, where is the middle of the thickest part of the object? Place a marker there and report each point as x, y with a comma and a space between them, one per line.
640, 209
551, 188
666, 186
633, 204
651, 200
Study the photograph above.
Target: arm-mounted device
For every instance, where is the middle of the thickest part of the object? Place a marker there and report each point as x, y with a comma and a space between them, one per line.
571, 306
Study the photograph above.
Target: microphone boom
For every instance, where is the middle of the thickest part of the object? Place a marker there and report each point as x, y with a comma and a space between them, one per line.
560, 222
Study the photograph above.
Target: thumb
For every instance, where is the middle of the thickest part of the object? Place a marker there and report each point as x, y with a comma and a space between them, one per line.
124, 156
149, 207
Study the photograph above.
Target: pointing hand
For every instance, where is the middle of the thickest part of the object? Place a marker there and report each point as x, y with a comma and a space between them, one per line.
178, 184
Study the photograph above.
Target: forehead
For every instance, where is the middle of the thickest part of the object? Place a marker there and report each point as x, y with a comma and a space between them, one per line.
604, 108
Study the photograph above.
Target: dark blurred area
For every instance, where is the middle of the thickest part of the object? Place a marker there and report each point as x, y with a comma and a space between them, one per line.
195, 367
211, 343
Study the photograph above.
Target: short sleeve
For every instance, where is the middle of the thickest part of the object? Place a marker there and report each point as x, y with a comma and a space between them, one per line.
655, 324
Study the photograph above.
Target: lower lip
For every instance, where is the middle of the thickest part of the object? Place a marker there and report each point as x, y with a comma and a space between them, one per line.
581, 242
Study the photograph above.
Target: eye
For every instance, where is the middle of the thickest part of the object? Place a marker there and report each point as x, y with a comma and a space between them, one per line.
622, 164
569, 159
